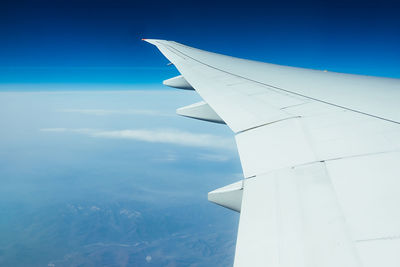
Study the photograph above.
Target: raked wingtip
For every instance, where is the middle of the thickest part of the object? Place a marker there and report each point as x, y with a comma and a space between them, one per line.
151, 41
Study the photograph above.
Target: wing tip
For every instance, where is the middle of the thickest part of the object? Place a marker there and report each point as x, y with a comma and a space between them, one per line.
151, 41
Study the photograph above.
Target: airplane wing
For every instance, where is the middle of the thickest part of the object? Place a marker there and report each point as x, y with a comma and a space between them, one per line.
320, 153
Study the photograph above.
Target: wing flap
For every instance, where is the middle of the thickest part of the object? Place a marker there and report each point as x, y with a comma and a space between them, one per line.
291, 218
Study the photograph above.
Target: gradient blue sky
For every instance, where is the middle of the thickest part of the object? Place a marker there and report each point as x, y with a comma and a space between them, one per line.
98, 41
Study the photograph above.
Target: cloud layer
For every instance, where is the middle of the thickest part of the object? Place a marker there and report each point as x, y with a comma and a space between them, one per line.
168, 136
104, 112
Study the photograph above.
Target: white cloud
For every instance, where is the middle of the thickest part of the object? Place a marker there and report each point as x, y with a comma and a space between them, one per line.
86, 131
105, 112
213, 157
130, 213
148, 258
166, 157
168, 136
54, 130
95, 208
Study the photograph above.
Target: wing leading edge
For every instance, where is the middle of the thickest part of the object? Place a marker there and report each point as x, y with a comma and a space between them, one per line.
320, 157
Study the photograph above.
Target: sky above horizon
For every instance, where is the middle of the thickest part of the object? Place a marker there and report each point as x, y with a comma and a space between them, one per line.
91, 41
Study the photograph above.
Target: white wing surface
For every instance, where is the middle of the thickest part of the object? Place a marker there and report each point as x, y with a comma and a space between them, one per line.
320, 153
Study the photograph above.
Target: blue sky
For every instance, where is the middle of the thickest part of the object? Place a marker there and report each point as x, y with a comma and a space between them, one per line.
99, 41
96, 168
